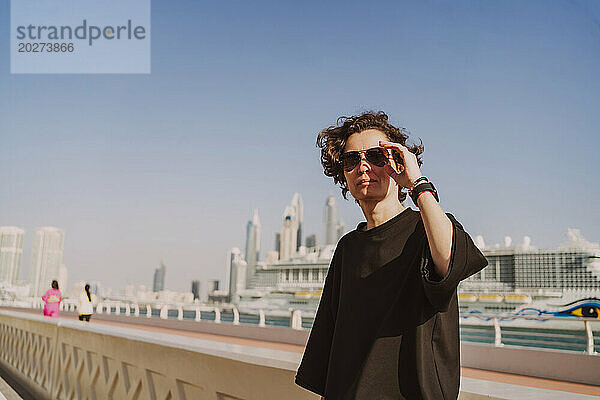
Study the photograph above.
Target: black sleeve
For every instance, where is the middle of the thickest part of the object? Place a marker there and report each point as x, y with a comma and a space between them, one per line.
465, 260
312, 372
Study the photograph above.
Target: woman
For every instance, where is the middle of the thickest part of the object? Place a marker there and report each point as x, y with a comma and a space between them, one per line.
387, 322
52, 298
86, 304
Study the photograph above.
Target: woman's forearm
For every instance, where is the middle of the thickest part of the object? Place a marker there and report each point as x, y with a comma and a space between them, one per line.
438, 228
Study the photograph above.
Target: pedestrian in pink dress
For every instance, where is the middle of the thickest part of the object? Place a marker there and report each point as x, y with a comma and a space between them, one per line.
53, 297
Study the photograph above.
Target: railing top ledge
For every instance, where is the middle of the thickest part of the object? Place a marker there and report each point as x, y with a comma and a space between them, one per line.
530, 317
248, 354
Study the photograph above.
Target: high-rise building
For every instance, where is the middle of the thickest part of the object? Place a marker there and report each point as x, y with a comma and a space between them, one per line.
278, 244
290, 236
46, 258
311, 241
287, 238
196, 289
237, 273
159, 278
11, 250
330, 222
212, 285
298, 213
253, 231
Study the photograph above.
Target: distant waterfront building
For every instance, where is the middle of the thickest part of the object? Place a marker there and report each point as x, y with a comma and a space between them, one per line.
573, 266
294, 275
271, 257
572, 269
311, 242
253, 232
290, 236
298, 217
287, 237
278, 243
11, 251
46, 258
196, 289
330, 222
237, 274
214, 295
212, 285
159, 278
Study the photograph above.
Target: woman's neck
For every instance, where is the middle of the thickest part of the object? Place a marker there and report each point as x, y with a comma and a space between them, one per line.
379, 212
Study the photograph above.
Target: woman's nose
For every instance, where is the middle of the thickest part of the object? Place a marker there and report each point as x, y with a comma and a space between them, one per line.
364, 164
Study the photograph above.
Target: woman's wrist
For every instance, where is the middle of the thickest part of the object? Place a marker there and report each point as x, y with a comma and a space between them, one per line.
420, 188
415, 182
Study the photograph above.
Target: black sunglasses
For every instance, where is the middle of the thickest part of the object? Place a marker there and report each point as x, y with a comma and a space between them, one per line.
375, 155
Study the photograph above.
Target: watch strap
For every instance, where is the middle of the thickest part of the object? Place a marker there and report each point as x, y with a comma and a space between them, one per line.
420, 189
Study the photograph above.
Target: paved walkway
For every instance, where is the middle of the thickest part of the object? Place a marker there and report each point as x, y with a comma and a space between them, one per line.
7, 392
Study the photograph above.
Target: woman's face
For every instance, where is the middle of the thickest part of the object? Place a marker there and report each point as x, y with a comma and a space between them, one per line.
367, 181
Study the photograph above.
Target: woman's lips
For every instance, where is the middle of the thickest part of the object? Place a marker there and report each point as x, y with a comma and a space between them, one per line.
366, 182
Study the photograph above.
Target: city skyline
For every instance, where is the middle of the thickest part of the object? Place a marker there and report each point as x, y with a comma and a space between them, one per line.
170, 165
55, 239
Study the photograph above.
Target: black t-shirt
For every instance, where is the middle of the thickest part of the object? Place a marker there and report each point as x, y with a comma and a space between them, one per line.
386, 326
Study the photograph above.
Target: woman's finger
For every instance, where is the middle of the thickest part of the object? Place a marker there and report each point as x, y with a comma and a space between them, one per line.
393, 145
392, 172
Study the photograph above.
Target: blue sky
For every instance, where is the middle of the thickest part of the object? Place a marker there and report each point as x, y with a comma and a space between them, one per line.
135, 168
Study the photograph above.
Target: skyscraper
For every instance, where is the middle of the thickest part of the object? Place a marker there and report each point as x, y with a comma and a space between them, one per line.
253, 231
330, 222
298, 213
278, 244
237, 274
11, 250
196, 289
159, 278
290, 237
311, 241
46, 258
287, 237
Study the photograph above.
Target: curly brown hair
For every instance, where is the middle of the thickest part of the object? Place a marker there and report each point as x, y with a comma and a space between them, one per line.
332, 142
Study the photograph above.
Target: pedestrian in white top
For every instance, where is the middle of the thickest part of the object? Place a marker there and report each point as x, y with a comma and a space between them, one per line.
86, 304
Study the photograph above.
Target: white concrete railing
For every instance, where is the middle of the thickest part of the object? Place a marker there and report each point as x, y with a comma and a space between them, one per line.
66, 359
585, 323
106, 308
29, 351
589, 326
296, 319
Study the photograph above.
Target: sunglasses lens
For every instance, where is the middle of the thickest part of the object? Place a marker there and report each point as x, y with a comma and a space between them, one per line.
350, 160
376, 156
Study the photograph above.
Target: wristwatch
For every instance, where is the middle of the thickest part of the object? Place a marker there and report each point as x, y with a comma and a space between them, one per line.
420, 188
